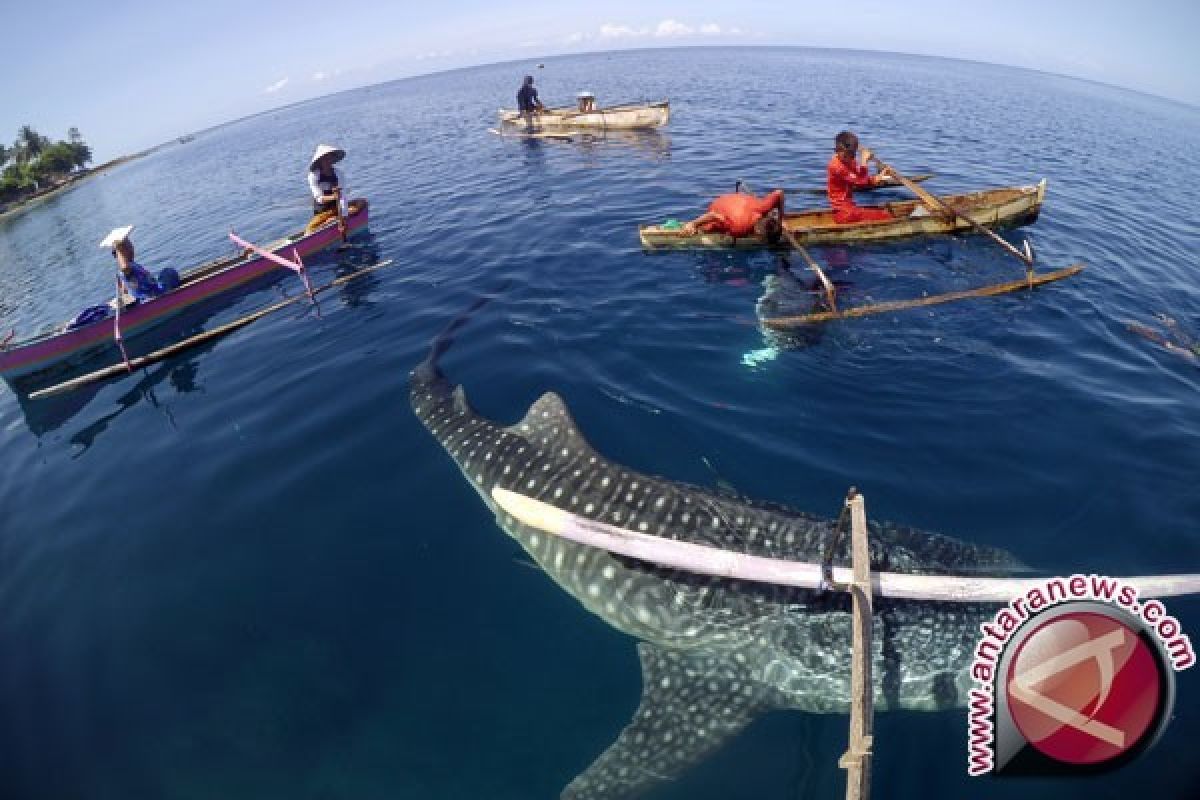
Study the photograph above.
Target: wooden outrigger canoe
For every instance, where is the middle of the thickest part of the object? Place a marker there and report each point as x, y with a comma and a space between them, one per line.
63, 347
1016, 205
624, 117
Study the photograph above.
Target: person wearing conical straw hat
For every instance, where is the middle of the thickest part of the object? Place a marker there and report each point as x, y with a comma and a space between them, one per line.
326, 185
136, 278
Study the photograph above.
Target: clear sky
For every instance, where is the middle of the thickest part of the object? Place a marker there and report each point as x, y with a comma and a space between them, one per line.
134, 73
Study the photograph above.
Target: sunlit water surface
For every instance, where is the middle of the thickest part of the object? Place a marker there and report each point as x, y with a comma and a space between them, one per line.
249, 572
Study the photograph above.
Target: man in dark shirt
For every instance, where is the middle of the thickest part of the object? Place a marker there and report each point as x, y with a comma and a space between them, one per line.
527, 101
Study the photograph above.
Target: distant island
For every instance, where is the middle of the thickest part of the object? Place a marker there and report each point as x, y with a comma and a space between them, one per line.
35, 166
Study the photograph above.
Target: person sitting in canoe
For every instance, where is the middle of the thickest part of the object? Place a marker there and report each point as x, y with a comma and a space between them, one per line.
326, 186
847, 171
136, 279
586, 101
741, 215
528, 103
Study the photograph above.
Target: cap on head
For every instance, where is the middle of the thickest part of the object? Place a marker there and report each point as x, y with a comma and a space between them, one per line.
117, 235
336, 154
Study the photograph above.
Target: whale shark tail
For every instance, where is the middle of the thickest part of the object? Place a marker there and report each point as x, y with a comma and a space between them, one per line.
428, 371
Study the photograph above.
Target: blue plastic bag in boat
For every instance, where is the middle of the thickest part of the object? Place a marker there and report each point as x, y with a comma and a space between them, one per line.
89, 315
168, 279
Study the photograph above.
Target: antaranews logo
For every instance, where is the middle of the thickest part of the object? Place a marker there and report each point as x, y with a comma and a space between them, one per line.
1075, 675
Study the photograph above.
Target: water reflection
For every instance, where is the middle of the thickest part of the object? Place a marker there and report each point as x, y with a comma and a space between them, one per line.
44, 415
652, 144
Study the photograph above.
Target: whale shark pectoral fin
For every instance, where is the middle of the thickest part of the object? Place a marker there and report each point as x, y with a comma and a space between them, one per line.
691, 704
548, 424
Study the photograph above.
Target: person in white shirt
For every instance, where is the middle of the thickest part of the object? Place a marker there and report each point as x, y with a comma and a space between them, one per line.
327, 185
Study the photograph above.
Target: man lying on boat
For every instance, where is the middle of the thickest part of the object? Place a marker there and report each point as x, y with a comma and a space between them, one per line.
847, 171
326, 186
740, 214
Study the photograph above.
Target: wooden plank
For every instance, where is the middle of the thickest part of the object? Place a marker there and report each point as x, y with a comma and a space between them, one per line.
857, 758
817, 317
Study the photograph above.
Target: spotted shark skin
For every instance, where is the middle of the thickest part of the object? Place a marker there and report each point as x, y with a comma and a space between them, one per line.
715, 653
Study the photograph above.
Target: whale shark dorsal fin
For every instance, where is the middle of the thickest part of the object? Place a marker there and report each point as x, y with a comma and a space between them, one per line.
548, 424
691, 705
460, 401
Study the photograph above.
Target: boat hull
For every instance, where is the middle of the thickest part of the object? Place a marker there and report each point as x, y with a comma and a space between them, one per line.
1008, 206
650, 115
47, 353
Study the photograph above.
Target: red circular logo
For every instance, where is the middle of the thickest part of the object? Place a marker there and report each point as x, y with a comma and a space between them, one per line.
1084, 688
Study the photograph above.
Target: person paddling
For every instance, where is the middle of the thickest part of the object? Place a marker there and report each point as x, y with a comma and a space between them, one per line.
847, 171
326, 185
528, 103
741, 215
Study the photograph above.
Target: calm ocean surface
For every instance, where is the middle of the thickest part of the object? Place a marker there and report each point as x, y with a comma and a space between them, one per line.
248, 572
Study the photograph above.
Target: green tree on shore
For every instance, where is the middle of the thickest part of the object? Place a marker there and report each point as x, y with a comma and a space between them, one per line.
29, 144
37, 161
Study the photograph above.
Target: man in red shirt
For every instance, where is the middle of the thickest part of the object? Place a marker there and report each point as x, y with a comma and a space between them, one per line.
741, 215
845, 174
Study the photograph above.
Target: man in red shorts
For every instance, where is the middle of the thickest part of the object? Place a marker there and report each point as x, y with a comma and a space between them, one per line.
845, 174
741, 215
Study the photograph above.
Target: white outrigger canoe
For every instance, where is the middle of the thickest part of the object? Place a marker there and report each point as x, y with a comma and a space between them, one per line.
625, 117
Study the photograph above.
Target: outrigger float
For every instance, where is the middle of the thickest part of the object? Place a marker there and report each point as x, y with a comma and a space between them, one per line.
631, 116
66, 346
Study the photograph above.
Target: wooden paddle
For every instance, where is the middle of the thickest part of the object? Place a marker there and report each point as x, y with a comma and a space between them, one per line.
935, 204
822, 191
341, 218
830, 292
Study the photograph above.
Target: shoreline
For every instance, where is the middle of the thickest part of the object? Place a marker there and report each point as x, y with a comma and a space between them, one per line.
70, 183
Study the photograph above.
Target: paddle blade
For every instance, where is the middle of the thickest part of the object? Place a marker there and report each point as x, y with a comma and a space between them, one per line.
1029, 254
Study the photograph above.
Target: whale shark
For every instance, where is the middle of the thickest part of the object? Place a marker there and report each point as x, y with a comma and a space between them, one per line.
715, 653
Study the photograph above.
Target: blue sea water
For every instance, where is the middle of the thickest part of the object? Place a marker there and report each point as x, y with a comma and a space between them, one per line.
249, 572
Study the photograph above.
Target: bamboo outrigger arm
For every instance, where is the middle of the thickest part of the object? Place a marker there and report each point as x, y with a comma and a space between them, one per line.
706, 560
935, 204
198, 339
1032, 280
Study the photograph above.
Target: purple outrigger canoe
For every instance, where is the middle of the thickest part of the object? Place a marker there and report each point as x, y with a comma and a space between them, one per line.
60, 346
